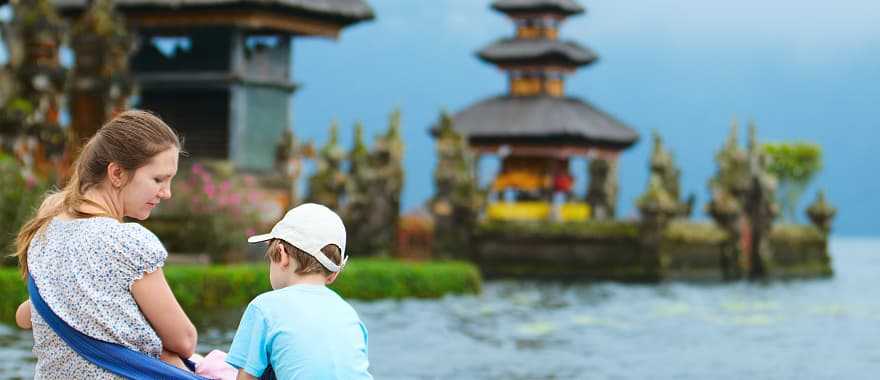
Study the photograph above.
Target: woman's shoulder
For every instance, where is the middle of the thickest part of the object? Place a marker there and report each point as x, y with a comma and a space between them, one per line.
136, 233
110, 228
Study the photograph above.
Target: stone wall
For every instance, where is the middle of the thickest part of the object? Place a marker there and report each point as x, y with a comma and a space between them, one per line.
595, 250
612, 251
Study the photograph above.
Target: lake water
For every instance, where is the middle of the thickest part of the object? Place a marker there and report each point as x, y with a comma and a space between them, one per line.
799, 329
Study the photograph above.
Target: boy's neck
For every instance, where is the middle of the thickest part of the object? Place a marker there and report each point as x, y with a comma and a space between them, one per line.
308, 279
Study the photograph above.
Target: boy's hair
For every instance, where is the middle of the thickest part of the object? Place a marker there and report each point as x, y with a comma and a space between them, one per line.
305, 263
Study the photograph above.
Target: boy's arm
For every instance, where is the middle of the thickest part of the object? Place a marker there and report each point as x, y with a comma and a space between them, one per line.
23, 315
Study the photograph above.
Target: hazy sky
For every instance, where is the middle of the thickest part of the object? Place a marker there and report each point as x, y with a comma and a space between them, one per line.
802, 70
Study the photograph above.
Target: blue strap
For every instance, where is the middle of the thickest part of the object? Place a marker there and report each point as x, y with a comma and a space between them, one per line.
115, 358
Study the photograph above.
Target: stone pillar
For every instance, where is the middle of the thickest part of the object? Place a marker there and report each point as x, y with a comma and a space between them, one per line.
761, 208
656, 208
727, 213
602, 189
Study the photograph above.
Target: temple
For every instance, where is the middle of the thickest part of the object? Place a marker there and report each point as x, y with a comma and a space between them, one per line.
535, 128
220, 71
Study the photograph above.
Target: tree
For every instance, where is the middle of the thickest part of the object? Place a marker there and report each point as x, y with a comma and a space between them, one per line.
794, 165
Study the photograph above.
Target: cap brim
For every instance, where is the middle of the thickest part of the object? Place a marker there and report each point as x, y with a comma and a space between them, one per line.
259, 238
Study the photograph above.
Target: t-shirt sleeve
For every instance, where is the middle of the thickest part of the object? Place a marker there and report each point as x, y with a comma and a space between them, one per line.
249, 350
140, 252
366, 339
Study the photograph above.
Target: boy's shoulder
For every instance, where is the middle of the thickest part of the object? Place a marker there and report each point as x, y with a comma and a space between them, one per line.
287, 299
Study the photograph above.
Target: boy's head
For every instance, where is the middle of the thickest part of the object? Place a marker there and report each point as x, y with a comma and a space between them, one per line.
303, 262
310, 239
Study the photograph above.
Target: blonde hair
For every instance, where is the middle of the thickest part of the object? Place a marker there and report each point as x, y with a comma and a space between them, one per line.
130, 140
305, 263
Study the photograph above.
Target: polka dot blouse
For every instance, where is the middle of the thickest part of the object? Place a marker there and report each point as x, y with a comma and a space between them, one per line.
84, 269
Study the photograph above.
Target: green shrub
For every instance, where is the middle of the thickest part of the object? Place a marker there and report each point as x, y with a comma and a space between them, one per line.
201, 289
210, 212
19, 197
794, 165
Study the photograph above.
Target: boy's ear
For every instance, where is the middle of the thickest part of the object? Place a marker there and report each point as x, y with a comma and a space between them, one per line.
285, 260
331, 278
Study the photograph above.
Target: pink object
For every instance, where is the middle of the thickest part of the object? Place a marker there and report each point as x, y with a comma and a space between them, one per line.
214, 366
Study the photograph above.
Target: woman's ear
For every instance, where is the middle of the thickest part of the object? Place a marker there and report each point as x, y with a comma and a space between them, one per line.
331, 278
117, 175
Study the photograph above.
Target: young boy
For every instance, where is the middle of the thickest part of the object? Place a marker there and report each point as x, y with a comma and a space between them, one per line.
302, 329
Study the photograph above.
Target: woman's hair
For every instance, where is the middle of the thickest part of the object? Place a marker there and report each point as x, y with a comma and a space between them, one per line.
130, 140
305, 263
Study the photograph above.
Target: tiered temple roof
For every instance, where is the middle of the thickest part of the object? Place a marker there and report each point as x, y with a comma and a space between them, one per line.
565, 7
536, 112
537, 51
539, 120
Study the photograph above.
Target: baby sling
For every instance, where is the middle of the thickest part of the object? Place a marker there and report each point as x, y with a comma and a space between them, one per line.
117, 359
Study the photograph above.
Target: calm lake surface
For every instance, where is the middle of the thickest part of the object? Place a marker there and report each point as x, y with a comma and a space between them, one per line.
799, 329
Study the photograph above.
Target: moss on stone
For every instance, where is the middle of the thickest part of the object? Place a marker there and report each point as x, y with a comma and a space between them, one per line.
589, 229
802, 233
681, 231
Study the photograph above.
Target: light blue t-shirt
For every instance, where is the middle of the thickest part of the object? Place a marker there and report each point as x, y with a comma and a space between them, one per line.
304, 332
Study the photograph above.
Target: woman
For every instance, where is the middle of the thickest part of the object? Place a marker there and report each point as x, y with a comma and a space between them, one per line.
100, 275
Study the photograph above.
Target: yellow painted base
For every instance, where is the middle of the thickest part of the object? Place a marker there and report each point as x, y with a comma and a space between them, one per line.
537, 211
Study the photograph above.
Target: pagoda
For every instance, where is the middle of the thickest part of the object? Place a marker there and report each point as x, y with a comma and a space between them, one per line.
535, 128
223, 78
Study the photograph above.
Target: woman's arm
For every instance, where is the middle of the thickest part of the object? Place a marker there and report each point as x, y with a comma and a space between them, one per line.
23, 315
157, 302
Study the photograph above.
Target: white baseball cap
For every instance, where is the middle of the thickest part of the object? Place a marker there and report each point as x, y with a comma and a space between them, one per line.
310, 227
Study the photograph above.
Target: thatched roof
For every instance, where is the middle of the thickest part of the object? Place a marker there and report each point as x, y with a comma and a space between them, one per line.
566, 7
542, 120
345, 10
537, 51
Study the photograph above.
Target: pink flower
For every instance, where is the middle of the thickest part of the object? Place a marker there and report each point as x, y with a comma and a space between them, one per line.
225, 186
198, 169
30, 182
209, 190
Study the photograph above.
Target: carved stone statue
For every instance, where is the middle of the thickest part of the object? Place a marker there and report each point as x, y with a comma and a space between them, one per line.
663, 165
100, 82
456, 203
603, 188
821, 213
327, 185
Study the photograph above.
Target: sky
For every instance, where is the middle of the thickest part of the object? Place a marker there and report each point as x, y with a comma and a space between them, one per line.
802, 70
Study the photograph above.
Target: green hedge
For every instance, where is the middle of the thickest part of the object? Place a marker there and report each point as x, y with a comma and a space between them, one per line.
200, 288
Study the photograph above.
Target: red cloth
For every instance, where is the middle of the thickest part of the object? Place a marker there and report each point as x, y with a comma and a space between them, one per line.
563, 182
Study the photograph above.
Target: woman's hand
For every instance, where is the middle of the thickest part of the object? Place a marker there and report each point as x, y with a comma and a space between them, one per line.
173, 359
157, 302
23, 315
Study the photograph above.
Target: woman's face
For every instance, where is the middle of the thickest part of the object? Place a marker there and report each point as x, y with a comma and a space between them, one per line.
150, 185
